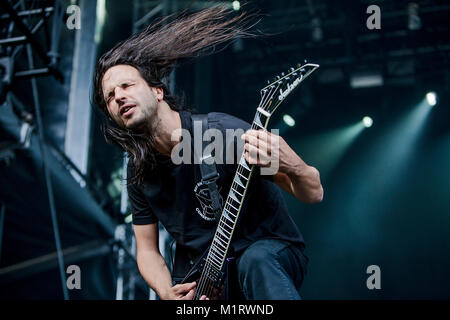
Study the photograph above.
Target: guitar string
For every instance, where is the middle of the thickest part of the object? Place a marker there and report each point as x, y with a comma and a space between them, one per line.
266, 99
239, 169
204, 280
209, 283
207, 269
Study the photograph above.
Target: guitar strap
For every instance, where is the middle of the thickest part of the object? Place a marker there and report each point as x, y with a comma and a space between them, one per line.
209, 175
208, 171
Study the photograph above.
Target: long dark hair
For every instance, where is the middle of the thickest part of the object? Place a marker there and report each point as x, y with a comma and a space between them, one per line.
154, 52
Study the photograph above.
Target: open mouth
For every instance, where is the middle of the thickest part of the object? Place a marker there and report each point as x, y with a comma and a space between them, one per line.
128, 110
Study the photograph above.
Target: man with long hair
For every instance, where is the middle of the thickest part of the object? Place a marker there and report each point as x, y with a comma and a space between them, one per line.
142, 119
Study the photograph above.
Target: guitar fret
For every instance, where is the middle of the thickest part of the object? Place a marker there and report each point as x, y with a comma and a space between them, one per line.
233, 215
229, 233
221, 246
220, 241
235, 191
219, 230
234, 200
223, 242
226, 217
232, 206
244, 164
240, 189
218, 254
213, 254
259, 126
238, 182
241, 175
233, 196
244, 169
214, 263
224, 224
217, 259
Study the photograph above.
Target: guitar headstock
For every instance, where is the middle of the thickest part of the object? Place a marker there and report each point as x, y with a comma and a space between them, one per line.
276, 91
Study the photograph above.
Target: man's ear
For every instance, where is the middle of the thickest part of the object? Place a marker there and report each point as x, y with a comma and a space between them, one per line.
159, 93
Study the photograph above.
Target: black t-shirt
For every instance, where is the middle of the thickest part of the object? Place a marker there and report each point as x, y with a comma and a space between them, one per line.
171, 194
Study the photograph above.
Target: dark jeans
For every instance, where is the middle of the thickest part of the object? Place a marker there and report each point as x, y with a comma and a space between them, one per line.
271, 269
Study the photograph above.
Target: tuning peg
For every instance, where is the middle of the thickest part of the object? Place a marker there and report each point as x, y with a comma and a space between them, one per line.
291, 69
305, 61
282, 74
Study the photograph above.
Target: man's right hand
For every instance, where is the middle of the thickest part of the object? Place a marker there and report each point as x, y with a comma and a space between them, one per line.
183, 291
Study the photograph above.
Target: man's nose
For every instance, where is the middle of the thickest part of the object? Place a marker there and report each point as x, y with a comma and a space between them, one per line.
119, 95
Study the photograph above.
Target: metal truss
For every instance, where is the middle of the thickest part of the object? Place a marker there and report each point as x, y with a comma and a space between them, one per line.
20, 26
20, 23
128, 278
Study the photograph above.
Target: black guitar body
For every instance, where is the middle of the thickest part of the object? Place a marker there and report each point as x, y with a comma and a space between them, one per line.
227, 285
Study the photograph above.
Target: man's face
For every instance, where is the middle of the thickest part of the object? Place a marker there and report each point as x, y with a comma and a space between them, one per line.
131, 103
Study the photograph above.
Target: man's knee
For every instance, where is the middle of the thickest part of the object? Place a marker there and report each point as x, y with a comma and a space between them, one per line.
261, 275
254, 258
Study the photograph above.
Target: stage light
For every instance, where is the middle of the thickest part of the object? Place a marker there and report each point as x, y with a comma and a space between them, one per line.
431, 98
236, 5
289, 120
367, 122
366, 80
326, 149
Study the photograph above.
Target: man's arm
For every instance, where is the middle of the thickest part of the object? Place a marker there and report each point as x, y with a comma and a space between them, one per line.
302, 184
294, 175
153, 268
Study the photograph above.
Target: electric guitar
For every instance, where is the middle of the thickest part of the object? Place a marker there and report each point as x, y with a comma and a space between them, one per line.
212, 269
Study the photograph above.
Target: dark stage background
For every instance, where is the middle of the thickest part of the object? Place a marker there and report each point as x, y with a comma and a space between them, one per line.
387, 190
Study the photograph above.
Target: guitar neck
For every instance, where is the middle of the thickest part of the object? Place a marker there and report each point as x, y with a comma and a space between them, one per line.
228, 221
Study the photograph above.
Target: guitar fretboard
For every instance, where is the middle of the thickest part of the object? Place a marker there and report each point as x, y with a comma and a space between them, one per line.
227, 223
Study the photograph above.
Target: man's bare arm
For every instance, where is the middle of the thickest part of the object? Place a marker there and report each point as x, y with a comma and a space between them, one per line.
306, 188
294, 175
153, 268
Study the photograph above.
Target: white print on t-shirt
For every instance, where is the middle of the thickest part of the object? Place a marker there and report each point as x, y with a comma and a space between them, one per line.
202, 194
